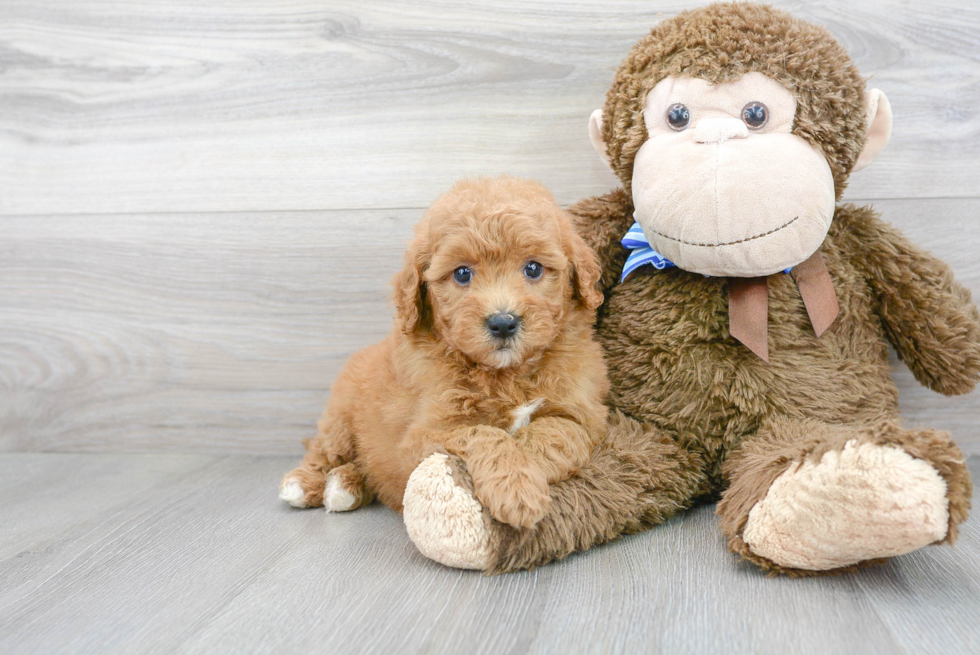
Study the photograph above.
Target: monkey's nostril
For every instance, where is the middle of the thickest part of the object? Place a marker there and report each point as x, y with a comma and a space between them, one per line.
503, 325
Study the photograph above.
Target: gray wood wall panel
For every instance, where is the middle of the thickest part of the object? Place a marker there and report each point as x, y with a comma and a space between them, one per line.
158, 290
204, 559
223, 332
214, 106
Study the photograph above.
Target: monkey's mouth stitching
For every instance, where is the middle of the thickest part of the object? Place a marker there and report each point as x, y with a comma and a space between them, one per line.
728, 243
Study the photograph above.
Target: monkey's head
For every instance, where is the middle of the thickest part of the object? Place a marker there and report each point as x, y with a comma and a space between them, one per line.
735, 127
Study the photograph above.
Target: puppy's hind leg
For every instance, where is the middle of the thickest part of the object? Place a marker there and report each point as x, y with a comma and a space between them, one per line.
346, 489
303, 486
333, 446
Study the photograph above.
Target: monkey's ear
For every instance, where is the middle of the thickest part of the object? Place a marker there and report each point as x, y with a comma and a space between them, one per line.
595, 135
879, 112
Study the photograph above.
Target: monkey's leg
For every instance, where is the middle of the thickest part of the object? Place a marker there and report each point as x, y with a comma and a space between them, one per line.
808, 498
635, 479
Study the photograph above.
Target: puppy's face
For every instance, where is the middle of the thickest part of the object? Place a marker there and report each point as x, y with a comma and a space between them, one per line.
498, 289
502, 271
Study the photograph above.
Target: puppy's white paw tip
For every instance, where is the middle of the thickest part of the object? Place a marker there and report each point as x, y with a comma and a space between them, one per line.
443, 520
292, 492
336, 498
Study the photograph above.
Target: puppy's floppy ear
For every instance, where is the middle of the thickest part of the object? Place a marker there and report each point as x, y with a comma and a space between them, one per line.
411, 304
585, 272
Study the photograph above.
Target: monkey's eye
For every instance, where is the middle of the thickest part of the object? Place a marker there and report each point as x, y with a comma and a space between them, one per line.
462, 275
755, 115
678, 116
533, 270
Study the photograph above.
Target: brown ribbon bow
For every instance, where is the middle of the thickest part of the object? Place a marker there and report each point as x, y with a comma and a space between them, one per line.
748, 303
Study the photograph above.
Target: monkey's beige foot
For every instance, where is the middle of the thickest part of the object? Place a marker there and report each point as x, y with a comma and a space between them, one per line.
864, 502
443, 519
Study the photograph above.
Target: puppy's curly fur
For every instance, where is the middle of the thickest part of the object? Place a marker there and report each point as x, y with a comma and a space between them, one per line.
522, 411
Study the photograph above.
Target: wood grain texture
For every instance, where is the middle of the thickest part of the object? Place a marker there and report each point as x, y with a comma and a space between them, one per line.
40, 497
222, 332
202, 558
219, 332
190, 106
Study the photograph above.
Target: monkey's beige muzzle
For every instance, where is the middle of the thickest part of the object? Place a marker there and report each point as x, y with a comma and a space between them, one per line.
716, 203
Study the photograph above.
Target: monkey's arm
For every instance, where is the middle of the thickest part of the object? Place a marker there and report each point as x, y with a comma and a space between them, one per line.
926, 314
603, 221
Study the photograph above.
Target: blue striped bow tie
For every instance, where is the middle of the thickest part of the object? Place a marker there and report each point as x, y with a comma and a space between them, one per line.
643, 253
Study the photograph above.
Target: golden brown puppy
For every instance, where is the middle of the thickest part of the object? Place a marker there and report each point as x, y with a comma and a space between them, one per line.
491, 358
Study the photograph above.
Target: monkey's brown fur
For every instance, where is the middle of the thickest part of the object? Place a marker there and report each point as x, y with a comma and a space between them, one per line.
712, 416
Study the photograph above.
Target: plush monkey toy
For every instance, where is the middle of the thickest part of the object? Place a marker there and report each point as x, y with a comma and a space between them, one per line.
746, 319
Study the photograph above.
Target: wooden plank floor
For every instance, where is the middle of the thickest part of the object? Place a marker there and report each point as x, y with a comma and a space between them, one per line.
194, 554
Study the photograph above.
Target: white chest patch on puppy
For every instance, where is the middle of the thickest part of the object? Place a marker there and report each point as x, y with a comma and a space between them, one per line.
522, 415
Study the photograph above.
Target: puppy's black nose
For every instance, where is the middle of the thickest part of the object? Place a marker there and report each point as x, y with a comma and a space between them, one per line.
503, 325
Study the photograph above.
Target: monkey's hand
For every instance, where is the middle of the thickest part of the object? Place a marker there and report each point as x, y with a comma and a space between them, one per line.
926, 314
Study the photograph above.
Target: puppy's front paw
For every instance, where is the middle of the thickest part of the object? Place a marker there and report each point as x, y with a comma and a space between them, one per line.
519, 498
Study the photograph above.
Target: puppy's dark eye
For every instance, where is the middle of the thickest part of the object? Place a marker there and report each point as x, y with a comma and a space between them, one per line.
755, 115
463, 275
678, 116
533, 270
